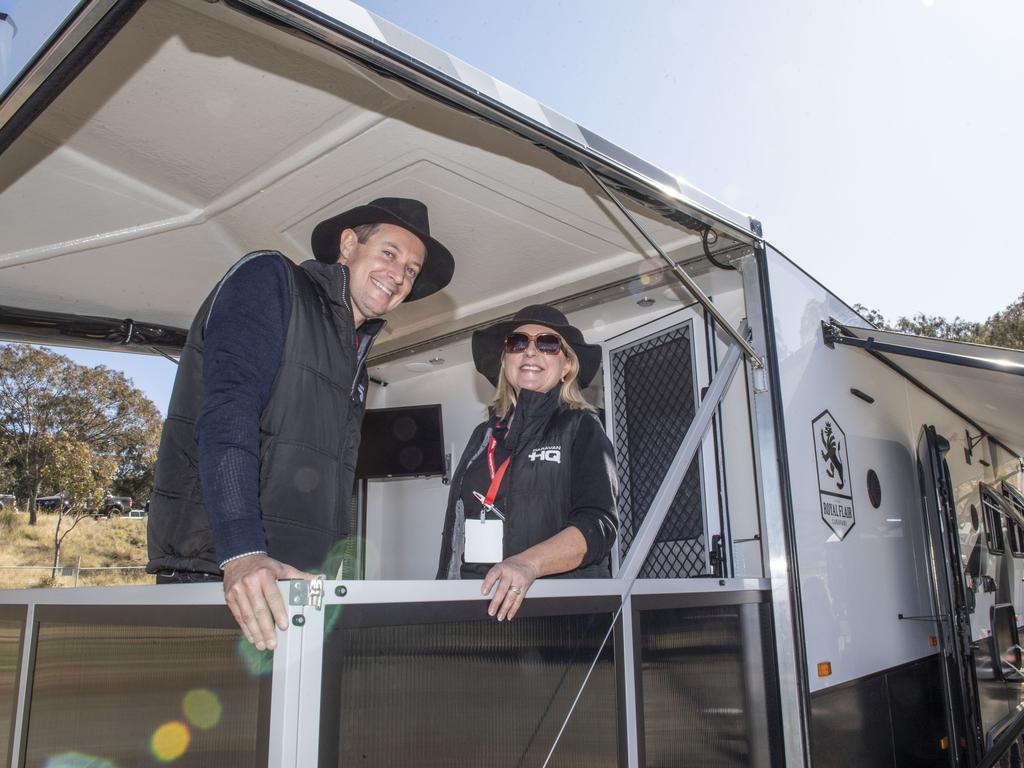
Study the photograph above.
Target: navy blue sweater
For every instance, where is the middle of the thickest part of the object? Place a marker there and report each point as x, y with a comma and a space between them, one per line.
243, 344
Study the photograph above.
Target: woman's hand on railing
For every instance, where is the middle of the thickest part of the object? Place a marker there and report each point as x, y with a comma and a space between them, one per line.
510, 579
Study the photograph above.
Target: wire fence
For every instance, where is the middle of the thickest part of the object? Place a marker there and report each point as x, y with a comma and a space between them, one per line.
75, 571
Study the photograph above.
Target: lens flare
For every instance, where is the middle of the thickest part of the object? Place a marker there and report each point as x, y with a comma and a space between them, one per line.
643, 281
258, 663
77, 760
202, 708
170, 741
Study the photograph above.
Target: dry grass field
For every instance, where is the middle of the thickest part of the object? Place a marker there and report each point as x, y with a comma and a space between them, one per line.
114, 544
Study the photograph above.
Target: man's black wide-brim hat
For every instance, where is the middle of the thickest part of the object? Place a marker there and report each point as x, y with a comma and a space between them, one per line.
489, 342
438, 266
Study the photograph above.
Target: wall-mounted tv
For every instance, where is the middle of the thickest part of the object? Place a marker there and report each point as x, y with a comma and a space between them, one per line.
402, 442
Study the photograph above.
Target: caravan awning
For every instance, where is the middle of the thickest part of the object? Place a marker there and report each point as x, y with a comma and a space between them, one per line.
136, 154
985, 384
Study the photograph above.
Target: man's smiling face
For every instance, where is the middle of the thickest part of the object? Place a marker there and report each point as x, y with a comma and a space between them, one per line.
381, 270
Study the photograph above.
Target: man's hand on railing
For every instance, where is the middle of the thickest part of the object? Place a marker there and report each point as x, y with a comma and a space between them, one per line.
252, 596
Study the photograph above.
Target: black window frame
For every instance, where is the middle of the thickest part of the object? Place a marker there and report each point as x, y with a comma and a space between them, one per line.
993, 515
1015, 499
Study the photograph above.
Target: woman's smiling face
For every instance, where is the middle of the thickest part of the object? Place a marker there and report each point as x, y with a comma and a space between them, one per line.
535, 370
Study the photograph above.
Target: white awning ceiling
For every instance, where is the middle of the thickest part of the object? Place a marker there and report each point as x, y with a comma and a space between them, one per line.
986, 384
201, 132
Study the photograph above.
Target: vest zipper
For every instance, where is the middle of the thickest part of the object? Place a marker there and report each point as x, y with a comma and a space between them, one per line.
364, 347
361, 355
344, 289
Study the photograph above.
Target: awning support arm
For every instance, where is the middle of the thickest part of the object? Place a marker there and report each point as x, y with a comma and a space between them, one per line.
164, 354
834, 333
686, 280
659, 507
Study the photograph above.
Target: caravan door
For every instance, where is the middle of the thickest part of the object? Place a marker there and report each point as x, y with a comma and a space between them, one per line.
946, 577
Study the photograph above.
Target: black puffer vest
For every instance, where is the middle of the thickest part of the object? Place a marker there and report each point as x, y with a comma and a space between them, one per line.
309, 435
536, 494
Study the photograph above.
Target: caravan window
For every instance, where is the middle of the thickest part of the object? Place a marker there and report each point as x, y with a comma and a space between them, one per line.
1015, 501
992, 506
1015, 538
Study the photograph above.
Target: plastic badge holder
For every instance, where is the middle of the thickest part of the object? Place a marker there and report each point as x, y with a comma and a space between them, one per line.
484, 541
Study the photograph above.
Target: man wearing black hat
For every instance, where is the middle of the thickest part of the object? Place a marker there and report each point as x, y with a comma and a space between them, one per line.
258, 453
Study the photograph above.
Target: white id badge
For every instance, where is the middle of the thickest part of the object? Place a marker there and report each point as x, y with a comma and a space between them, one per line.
484, 541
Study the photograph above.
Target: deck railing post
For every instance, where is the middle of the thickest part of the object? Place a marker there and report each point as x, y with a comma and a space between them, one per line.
28, 641
295, 692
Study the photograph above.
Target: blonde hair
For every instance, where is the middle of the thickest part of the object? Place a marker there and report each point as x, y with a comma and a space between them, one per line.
569, 396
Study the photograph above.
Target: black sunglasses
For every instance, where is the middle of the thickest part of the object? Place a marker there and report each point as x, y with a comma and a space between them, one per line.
546, 343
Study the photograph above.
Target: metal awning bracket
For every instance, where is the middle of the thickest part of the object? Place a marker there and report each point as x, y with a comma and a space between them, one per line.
303, 592
760, 378
831, 333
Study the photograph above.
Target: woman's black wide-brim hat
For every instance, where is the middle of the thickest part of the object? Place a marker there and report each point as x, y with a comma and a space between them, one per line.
489, 342
439, 264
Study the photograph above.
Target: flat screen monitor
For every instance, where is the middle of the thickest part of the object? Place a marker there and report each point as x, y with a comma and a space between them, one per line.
1005, 639
402, 442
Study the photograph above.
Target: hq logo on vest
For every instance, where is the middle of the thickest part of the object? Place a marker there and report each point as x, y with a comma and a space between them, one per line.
547, 453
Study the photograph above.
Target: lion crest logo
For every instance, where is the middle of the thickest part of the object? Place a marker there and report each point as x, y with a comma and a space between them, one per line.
833, 462
832, 447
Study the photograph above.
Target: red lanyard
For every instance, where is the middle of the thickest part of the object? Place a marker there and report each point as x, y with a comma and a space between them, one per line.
496, 476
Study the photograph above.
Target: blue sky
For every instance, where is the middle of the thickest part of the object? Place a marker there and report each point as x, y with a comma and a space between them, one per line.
877, 141
29, 24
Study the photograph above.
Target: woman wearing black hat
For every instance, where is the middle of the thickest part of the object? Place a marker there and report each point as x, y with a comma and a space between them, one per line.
534, 493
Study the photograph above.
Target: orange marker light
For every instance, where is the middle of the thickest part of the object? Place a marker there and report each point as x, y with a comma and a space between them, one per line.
824, 668
944, 742
933, 640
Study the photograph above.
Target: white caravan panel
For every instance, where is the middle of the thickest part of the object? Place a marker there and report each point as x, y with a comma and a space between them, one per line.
860, 569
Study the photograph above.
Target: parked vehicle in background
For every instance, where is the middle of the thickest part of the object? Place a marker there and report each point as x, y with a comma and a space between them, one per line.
8, 501
116, 506
112, 505
53, 503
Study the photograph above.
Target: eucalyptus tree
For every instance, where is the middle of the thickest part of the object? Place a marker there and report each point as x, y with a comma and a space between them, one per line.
44, 394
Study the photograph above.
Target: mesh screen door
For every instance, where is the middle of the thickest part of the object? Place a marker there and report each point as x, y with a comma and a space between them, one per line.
653, 396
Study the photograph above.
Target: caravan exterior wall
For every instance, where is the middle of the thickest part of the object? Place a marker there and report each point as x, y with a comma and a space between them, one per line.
866, 607
860, 564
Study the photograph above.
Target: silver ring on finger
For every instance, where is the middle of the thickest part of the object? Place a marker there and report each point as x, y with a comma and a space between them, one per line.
516, 590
